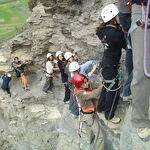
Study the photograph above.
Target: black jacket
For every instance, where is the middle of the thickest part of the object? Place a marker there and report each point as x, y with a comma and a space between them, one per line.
113, 41
62, 65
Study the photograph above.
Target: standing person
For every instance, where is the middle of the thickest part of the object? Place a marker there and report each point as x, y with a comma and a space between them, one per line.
64, 77
113, 40
141, 98
19, 69
5, 84
125, 21
87, 99
48, 86
73, 106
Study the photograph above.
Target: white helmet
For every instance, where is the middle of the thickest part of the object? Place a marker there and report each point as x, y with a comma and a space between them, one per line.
74, 66
9, 75
109, 12
68, 55
48, 55
58, 53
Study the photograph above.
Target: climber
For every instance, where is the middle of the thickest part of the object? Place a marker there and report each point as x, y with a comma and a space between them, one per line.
140, 104
87, 96
73, 106
125, 21
50, 68
75, 68
5, 84
19, 69
64, 77
112, 38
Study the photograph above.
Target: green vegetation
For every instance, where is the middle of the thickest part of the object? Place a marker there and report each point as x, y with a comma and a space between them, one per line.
13, 13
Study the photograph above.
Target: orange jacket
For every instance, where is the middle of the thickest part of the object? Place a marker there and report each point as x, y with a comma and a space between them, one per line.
87, 98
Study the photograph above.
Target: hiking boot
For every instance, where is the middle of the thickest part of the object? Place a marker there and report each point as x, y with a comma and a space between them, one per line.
49, 91
143, 132
115, 120
45, 93
66, 102
27, 89
127, 98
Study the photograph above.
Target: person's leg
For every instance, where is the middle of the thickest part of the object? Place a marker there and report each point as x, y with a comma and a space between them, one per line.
51, 85
127, 86
112, 97
46, 85
101, 101
8, 91
24, 80
125, 20
86, 131
140, 83
67, 93
99, 137
75, 108
111, 103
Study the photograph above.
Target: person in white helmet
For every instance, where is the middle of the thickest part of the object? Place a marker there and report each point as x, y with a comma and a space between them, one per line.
75, 68
112, 38
5, 84
64, 77
49, 74
73, 106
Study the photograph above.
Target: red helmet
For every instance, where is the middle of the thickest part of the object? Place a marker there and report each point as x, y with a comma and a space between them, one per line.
78, 80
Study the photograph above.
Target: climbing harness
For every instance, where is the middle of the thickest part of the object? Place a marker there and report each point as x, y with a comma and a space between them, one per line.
113, 81
147, 23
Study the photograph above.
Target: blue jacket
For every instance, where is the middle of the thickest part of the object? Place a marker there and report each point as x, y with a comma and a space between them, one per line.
84, 67
5, 83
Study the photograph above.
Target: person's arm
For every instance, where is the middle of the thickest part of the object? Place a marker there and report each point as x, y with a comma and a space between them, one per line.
84, 67
91, 95
92, 71
56, 69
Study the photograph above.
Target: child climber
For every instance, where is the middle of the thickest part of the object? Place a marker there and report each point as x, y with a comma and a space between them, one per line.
48, 86
5, 84
64, 77
87, 100
73, 107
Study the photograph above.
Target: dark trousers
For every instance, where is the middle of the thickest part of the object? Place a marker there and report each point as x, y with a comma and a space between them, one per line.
67, 93
73, 105
109, 99
48, 84
7, 90
125, 20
